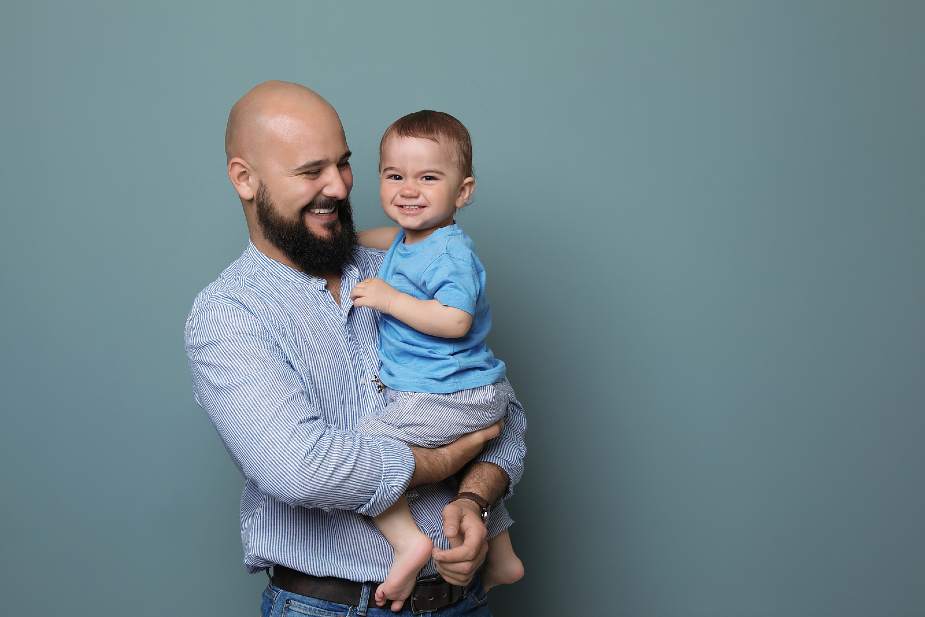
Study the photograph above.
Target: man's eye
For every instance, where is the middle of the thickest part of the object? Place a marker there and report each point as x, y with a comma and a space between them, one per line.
312, 173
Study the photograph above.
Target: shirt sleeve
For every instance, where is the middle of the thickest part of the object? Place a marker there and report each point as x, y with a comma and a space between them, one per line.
509, 449
453, 281
258, 405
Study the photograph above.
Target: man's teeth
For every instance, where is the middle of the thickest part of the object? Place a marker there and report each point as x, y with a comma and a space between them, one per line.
322, 210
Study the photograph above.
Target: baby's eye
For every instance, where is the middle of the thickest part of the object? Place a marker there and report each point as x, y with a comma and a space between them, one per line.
392, 177
429, 178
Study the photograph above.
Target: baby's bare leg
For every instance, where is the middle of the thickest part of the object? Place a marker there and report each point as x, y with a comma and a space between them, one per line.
412, 550
502, 565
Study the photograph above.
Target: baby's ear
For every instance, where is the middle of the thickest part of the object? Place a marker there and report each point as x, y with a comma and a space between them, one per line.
465, 192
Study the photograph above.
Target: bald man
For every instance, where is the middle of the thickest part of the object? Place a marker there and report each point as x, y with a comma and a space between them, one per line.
285, 366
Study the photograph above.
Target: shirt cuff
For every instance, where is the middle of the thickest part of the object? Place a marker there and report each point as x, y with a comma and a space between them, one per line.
397, 468
513, 471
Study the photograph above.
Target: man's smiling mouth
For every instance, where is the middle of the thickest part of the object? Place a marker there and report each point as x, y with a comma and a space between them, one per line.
323, 210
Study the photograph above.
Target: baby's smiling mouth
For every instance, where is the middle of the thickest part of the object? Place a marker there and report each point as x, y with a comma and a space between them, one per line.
410, 206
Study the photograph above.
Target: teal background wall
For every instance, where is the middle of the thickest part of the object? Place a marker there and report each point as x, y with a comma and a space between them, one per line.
704, 226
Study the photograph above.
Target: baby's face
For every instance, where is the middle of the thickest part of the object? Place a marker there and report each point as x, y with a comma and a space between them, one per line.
420, 185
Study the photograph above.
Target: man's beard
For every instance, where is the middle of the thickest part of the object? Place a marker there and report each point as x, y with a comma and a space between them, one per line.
314, 255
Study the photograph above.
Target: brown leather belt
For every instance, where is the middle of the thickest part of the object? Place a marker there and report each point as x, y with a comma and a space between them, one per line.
430, 594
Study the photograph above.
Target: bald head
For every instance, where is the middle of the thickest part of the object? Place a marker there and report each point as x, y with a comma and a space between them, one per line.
289, 163
269, 111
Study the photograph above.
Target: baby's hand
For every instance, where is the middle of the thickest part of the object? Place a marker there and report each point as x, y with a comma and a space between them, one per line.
374, 293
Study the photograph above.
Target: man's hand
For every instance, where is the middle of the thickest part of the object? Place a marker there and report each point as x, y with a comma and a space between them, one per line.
437, 464
463, 527
374, 293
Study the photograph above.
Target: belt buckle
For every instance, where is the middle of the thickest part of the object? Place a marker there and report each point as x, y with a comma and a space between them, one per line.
425, 601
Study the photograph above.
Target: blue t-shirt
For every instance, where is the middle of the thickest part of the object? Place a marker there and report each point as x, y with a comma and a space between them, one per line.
442, 267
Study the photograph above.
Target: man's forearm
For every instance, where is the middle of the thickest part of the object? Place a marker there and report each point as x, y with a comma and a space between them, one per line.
437, 464
484, 479
271, 429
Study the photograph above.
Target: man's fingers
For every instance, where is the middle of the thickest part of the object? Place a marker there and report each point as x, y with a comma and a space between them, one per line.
471, 444
451, 517
473, 530
467, 551
452, 577
452, 580
458, 564
461, 573
457, 558
487, 433
463, 552
462, 569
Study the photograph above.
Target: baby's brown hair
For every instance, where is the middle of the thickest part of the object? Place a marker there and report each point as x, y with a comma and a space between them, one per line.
436, 126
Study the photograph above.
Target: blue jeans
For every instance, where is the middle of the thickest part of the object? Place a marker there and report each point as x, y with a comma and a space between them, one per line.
279, 603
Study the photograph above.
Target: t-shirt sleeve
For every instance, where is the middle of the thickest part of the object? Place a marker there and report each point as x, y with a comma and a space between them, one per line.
454, 281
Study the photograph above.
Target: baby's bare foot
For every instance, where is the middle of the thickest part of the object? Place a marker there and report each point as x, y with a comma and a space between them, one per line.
504, 570
410, 557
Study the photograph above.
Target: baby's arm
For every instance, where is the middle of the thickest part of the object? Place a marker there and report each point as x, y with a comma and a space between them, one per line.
427, 316
378, 238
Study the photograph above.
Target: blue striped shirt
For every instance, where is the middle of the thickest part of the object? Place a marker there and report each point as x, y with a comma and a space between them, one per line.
285, 374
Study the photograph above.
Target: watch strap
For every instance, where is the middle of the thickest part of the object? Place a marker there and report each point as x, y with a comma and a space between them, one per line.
482, 503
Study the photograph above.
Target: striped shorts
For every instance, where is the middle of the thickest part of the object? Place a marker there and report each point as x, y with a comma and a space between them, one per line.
431, 420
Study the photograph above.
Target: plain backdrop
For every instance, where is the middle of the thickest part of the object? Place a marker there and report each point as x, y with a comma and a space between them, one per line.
704, 230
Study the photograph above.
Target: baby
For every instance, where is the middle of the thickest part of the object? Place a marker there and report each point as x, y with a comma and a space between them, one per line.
442, 380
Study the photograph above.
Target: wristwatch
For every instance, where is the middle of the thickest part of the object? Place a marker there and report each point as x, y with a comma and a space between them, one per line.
484, 506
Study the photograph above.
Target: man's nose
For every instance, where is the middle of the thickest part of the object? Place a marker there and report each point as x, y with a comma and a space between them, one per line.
336, 186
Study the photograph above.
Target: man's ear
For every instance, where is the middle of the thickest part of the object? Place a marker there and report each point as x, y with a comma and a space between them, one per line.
465, 192
242, 178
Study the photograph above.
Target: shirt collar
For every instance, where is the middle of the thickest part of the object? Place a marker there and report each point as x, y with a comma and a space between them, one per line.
434, 236
281, 270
